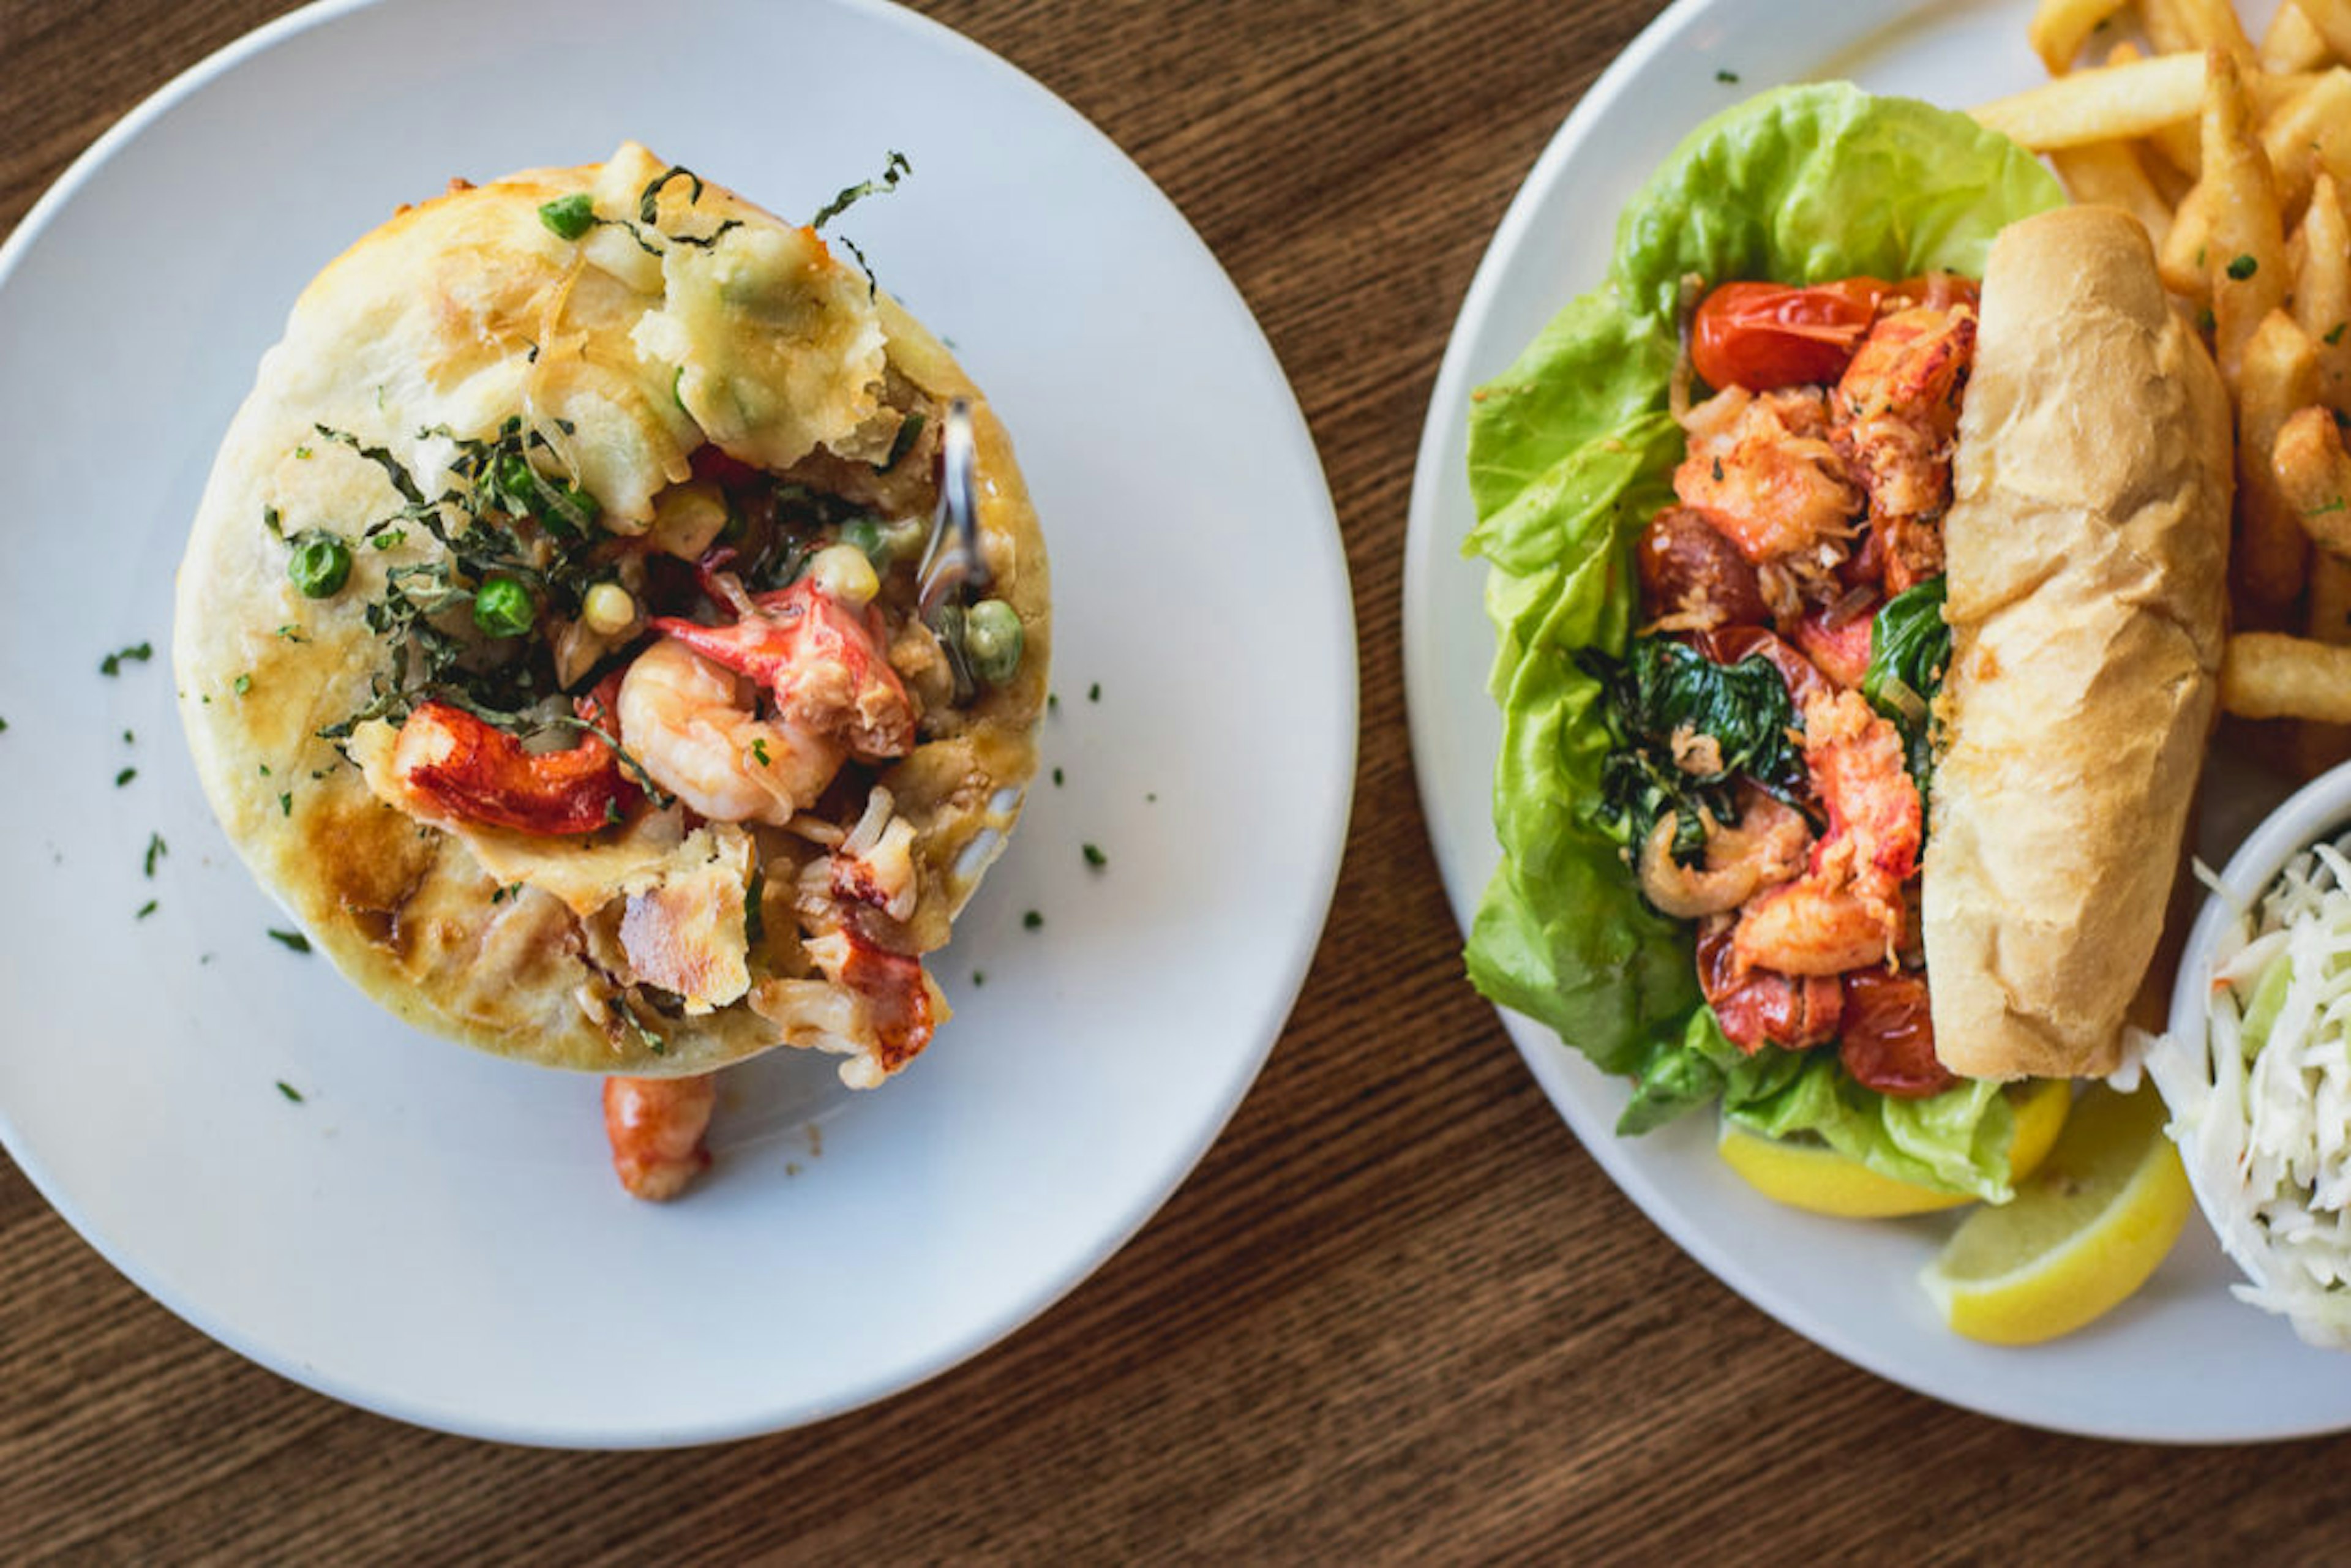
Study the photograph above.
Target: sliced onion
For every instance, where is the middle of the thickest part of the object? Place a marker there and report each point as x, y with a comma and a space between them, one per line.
1677, 390
1857, 599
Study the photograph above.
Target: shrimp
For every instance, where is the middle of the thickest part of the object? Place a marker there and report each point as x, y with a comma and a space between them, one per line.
685, 721
821, 658
1847, 911
1761, 469
1765, 846
656, 1125
1895, 421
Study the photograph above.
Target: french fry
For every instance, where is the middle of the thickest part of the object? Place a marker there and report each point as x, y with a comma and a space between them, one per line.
2179, 148
2314, 477
2175, 155
2278, 376
2331, 20
2180, 142
2267, 675
2109, 173
2166, 28
2322, 289
2169, 182
2059, 28
2213, 25
2245, 258
2291, 43
2103, 104
2309, 131
2181, 259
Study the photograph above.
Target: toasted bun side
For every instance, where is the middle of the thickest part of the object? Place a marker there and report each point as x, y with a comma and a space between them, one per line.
2086, 547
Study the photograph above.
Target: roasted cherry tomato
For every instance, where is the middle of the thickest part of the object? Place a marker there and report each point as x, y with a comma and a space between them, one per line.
1764, 335
1887, 1038
1760, 1008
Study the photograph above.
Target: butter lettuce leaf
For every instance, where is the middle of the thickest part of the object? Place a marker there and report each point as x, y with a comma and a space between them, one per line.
1571, 453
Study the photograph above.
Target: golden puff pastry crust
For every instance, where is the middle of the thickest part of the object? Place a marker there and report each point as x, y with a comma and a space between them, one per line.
678, 322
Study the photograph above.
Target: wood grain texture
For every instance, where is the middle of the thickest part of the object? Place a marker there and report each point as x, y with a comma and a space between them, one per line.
1397, 1313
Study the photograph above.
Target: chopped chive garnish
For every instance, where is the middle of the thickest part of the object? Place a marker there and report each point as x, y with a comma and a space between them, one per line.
139, 653
1094, 857
292, 941
289, 1092
125, 777
1032, 920
145, 910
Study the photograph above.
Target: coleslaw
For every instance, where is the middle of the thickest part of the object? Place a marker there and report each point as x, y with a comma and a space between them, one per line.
2261, 1097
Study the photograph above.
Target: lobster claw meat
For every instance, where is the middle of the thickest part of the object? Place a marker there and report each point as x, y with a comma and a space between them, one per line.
469, 768
821, 658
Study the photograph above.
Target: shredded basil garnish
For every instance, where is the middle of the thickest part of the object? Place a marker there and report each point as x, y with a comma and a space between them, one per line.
895, 169
1662, 693
503, 515
1909, 648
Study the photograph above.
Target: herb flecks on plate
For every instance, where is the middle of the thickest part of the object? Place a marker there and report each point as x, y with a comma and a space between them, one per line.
138, 653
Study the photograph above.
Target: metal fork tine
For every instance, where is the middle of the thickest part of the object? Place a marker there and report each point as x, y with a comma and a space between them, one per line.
952, 565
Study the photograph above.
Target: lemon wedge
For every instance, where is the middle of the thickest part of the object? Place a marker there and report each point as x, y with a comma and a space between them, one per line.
2082, 1234
1816, 1177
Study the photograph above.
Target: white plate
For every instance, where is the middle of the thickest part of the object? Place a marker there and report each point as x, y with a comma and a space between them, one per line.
437, 1234
2180, 1362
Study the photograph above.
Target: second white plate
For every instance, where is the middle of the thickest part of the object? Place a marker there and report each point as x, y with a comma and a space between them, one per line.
2182, 1361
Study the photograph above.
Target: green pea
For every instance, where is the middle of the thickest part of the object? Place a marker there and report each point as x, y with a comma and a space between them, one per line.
902, 538
319, 565
517, 484
991, 640
865, 534
502, 607
568, 217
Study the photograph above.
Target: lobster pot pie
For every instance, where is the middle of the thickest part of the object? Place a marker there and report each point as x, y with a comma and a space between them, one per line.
549, 642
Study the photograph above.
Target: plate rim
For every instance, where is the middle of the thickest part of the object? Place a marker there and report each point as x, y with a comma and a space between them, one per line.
1551, 1062
1319, 884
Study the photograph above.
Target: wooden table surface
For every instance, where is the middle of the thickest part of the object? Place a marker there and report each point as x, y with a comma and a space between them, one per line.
1397, 1312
